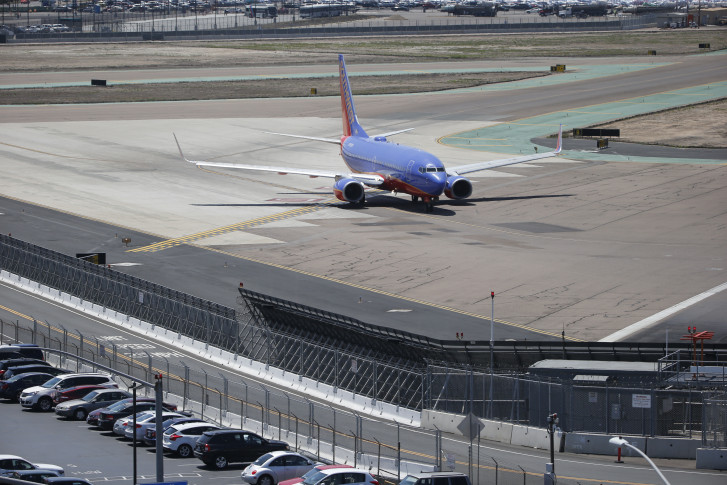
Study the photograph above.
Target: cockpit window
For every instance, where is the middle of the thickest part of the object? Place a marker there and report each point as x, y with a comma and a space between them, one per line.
431, 169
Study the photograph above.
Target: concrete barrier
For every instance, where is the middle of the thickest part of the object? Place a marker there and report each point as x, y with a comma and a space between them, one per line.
496, 431
447, 422
597, 444
531, 437
672, 448
712, 458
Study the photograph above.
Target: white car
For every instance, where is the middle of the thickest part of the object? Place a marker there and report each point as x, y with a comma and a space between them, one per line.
121, 424
349, 476
276, 466
41, 397
12, 463
181, 438
148, 421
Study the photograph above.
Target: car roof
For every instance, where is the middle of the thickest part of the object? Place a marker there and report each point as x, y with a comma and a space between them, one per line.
329, 467
436, 474
192, 424
331, 471
11, 457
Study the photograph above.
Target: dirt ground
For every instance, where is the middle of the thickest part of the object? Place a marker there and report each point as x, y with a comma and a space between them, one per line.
703, 125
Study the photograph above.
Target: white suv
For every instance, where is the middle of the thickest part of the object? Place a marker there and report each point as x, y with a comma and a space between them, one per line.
41, 397
181, 438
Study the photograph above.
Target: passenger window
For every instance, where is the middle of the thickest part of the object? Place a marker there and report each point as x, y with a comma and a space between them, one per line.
278, 461
459, 481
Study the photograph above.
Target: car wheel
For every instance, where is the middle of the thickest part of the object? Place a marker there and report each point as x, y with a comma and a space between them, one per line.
80, 414
17, 396
45, 403
220, 462
185, 451
265, 480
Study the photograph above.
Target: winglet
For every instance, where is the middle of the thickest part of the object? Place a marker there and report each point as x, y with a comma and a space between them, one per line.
180, 150
559, 146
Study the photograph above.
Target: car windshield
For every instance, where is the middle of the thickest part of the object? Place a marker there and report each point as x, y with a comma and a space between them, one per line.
409, 480
89, 396
262, 459
313, 478
117, 406
51, 382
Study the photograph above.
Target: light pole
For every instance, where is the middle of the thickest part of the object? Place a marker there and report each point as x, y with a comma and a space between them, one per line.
492, 345
550, 477
622, 442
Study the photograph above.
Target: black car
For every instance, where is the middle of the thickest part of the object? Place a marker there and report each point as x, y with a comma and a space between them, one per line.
221, 447
124, 408
21, 350
12, 387
8, 363
24, 369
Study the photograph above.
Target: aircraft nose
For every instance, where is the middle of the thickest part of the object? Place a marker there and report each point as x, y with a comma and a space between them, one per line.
437, 182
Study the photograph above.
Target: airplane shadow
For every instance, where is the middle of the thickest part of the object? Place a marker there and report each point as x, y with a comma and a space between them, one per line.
440, 208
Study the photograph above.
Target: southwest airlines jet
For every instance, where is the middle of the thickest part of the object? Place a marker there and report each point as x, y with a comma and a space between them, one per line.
375, 162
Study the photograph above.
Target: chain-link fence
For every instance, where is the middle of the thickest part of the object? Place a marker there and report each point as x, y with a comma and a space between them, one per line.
328, 433
715, 420
383, 377
215, 22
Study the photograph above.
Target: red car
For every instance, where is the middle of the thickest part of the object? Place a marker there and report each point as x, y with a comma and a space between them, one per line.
73, 393
315, 469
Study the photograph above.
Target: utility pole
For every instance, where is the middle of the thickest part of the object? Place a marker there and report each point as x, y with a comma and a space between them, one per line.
492, 349
158, 425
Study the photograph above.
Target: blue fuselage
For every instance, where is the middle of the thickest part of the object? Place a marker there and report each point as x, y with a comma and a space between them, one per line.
404, 169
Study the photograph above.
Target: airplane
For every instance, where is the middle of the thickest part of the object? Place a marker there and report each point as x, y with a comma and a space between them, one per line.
375, 162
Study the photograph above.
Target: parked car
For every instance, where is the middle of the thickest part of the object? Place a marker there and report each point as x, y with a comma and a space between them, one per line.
150, 438
181, 438
108, 416
120, 425
13, 386
79, 408
21, 350
275, 467
311, 472
73, 393
145, 423
7, 363
67, 481
11, 463
24, 369
224, 446
436, 478
340, 475
36, 476
41, 397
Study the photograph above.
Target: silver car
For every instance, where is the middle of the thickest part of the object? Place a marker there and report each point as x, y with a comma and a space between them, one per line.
12, 463
276, 466
181, 438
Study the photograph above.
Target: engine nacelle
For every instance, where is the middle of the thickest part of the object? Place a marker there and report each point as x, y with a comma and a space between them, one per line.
458, 187
349, 190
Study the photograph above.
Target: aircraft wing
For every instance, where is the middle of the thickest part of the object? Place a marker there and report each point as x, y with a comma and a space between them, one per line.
502, 162
368, 179
315, 138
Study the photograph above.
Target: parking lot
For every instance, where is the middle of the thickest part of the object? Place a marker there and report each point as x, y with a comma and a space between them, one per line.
97, 456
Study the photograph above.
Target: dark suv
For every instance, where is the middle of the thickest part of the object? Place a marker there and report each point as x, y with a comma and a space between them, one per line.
221, 447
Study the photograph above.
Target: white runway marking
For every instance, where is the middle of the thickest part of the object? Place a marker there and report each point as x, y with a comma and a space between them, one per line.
653, 319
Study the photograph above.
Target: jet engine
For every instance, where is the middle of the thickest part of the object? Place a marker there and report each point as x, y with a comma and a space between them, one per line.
458, 187
349, 190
